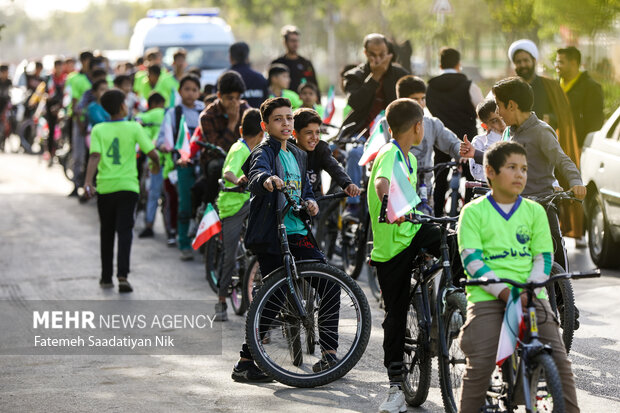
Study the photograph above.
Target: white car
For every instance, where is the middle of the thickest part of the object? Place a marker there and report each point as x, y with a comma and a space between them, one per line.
600, 171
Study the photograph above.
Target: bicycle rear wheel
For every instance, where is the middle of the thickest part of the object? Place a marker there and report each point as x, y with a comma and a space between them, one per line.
373, 279
417, 359
564, 306
452, 368
343, 324
213, 262
546, 386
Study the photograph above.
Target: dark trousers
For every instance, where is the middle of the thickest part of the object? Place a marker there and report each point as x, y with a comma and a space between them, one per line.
171, 206
441, 184
559, 254
395, 282
117, 216
52, 120
328, 293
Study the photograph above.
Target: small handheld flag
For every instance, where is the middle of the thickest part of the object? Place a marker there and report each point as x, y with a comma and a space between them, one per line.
330, 107
513, 327
183, 138
402, 197
379, 136
209, 226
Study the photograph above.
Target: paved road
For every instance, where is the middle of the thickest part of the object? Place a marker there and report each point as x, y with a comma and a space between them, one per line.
49, 250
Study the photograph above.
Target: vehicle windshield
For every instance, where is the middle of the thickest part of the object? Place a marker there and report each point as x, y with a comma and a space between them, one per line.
211, 56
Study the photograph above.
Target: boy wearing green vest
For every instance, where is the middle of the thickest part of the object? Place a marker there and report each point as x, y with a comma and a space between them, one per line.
504, 235
113, 157
234, 207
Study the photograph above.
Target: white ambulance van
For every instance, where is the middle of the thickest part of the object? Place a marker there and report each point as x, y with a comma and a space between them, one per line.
201, 32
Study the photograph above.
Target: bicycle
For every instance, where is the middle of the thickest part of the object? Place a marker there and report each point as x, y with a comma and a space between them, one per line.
306, 298
561, 296
437, 311
530, 376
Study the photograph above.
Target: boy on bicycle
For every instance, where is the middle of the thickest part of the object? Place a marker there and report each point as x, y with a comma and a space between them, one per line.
396, 246
307, 133
504, 235
272, 165
233, 207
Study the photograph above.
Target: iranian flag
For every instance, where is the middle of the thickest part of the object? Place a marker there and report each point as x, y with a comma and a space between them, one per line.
379, 136
513, 326
209, 226
183, 139
402, 197
330, 107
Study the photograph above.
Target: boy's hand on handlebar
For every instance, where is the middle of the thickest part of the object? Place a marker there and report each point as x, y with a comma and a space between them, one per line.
504, 295
579, 191
352, 190
243, 180
467, 150
313, 208
272, 183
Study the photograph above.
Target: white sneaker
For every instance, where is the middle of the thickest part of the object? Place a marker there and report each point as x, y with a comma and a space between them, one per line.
395, 402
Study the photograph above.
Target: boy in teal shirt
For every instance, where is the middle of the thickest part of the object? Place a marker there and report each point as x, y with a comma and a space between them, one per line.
117, 183
234, 207
396, 246
504, 236
151, 121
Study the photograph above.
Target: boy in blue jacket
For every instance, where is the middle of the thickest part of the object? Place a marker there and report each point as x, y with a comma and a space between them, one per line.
272, 165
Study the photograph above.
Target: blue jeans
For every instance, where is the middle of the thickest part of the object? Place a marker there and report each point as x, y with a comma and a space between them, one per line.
157, 182
354, 170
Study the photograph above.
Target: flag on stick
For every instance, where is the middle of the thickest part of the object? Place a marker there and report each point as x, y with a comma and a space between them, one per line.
402, 197
209, 226
330, 107
183, 138
379, 136
513, 326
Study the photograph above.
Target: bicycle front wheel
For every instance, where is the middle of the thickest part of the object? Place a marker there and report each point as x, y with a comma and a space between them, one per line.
340, 318
417, 359
452, 368
564, 306
546, 386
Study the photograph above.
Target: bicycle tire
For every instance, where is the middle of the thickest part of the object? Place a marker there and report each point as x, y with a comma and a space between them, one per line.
213, 251
360, 250
354, 325
252, 280
417, 359
544, 367
564, 306
449, 375
236, 283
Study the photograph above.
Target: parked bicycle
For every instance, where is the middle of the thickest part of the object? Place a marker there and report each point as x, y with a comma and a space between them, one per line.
437, 311
530, 376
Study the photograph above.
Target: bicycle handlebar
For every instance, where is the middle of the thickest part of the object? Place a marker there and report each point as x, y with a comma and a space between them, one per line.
436, 167
209, 147
236, 188
533, 285
335, 195
476, 184
415, 218
556, 196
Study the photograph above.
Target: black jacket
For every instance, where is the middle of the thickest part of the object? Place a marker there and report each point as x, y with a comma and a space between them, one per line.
256, 88
361, 89
319, 160
262, 235
586, 103
448, 99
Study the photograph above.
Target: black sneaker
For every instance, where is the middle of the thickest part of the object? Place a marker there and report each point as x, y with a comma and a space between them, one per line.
146, 233
106, 283
248, 372
327, 361
124, 286
73, 193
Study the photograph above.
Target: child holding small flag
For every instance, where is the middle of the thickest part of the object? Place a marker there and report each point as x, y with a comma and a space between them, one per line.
394, 172
113, 156
179, 123
505, 235
234, 207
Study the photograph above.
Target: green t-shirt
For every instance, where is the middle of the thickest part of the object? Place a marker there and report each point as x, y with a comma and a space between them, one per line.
79, 85
293, 224
388, 239
508, 241
166, 85
151, 121
292, 96
229, 203
116, 142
